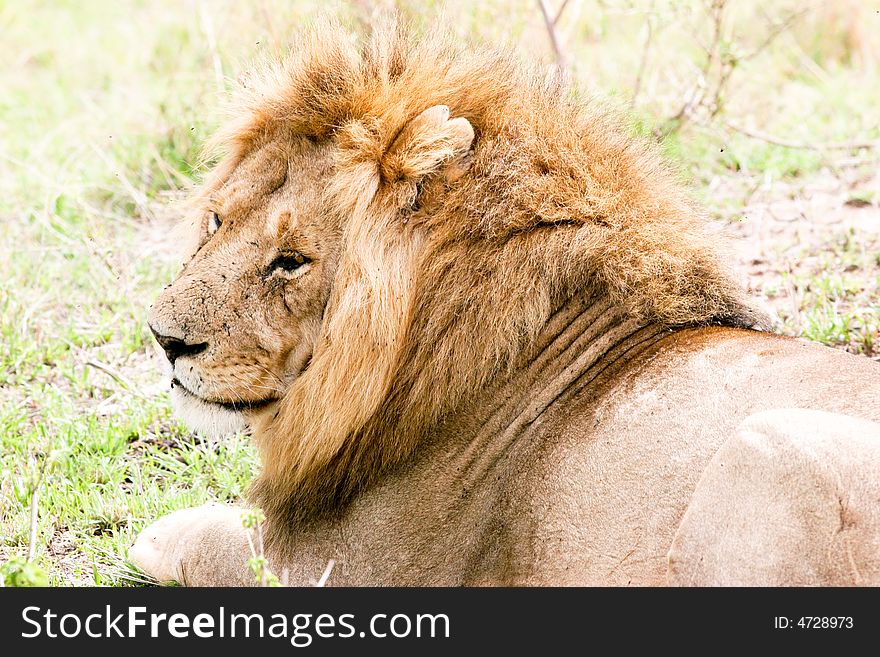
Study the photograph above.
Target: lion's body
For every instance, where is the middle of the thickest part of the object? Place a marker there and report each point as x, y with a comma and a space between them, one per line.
492, 359
592, 493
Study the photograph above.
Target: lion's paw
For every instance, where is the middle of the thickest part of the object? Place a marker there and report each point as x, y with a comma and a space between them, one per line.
158, 548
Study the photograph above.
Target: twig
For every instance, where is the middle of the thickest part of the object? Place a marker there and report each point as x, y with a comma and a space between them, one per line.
35, 508
4, 496
32, 533
646, 46
697, 95
253, 524
793, 297
808, 62
723, 64
776, 30
259, 530
849, 162
329, 569
551, 22
816, 146
252, 547
119, 378
559, 12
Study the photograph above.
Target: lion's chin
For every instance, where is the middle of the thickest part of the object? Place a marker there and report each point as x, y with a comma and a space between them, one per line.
205, 418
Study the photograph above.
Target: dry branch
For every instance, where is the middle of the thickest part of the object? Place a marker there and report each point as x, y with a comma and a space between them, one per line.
326, 574
643, 60
551, 22
116, 376
718, 68
815, 146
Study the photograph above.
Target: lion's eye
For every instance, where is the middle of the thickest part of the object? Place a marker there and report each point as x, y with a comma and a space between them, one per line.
288, 262
213, 222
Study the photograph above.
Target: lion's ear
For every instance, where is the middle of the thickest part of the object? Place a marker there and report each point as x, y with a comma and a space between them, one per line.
429, 143
375, 160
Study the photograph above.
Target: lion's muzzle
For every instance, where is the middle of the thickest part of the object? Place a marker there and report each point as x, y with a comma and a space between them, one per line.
175, 347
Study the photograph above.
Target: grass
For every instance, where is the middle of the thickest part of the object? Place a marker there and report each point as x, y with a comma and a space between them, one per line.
104, 105
832, 292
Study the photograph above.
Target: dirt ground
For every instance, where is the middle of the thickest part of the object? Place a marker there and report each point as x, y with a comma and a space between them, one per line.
786, 237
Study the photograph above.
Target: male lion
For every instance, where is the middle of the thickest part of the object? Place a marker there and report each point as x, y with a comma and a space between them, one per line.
480, 336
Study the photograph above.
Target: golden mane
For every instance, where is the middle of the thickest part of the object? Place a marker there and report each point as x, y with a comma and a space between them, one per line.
429, 304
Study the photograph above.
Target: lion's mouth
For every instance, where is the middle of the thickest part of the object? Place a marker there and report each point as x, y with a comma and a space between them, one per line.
236, 406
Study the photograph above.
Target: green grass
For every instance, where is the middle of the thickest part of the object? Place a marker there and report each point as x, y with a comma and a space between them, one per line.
104, 106
837, 292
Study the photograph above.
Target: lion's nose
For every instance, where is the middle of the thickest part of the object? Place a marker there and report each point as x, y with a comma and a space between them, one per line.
175, 347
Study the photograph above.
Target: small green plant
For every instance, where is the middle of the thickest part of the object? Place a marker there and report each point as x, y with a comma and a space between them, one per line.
253, 522
19, 572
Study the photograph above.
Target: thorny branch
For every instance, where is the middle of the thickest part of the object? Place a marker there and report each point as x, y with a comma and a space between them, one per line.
697, 96
720, 63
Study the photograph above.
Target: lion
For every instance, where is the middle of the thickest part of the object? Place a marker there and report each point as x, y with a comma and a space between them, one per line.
480, 335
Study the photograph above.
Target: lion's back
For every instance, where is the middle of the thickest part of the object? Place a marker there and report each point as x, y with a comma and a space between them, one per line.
618, 463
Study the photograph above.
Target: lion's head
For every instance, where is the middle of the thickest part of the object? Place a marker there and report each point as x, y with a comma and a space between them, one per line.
389, 228
243, 317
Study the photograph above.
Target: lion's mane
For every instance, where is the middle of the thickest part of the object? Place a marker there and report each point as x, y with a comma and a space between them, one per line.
431, 303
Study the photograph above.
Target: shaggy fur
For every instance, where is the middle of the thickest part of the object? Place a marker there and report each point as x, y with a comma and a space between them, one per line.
475, 197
